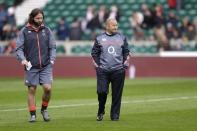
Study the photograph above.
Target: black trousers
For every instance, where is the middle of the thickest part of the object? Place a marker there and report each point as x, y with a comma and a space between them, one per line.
104, 78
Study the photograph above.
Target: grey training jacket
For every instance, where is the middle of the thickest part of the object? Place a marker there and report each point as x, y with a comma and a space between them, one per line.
36, 46
110, 51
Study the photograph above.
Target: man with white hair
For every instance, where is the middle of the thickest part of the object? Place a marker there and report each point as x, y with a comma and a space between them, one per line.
110, 55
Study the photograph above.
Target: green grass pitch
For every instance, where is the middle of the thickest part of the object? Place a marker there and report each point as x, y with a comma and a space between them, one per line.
148, 104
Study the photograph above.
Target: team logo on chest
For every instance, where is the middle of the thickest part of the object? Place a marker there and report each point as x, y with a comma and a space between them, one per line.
111, 50
43, 33
104, 39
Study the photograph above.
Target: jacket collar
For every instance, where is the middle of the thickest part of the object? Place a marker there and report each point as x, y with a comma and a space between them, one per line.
30, 26
109, 34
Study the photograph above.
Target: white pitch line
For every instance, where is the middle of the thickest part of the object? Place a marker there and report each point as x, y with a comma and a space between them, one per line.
161, 99
124, 102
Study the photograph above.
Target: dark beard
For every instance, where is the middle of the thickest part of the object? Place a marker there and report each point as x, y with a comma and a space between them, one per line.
36, 24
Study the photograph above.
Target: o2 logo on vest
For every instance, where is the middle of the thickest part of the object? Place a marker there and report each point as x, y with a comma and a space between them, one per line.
111, 50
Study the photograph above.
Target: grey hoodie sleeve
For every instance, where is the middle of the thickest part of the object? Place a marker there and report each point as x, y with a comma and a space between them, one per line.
20, 46
52, 46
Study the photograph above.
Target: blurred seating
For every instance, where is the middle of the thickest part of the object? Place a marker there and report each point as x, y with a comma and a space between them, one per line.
55, 9
77, 8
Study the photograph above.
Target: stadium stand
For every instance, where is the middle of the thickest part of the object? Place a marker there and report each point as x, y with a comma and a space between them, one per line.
8, 2
71, 9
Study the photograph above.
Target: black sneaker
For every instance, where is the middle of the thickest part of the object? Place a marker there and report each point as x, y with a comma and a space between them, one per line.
45, 115
32, 118
100, 117
115, 119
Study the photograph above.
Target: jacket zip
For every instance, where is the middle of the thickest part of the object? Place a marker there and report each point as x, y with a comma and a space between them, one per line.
39, 53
